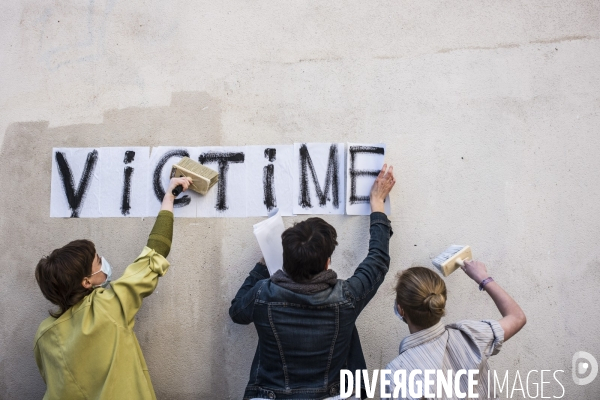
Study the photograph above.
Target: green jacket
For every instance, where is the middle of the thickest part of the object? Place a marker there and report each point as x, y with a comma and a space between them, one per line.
91, 351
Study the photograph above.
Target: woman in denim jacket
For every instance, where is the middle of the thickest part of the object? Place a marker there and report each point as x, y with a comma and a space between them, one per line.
304, 316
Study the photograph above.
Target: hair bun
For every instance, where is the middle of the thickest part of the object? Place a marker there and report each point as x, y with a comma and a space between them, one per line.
422, 294
435, 303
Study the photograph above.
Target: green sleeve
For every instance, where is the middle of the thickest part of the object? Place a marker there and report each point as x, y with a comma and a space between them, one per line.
162, 233
137, 282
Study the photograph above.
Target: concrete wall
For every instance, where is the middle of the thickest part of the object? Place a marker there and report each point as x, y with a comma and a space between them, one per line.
490, 111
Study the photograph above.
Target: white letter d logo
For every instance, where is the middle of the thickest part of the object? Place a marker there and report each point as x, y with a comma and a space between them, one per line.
581, 367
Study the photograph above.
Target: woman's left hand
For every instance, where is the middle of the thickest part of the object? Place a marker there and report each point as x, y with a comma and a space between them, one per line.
382, 186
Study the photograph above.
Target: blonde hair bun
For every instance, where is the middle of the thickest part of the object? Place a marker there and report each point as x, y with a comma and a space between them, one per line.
421, 292
436, 303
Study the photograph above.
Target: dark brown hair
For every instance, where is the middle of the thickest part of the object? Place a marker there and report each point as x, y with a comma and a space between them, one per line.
306, 247
422, 295
60, 274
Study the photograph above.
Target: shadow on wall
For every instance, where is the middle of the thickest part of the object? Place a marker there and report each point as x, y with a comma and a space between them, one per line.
181, 326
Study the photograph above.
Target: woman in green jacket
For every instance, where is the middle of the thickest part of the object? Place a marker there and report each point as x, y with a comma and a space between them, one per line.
87, 348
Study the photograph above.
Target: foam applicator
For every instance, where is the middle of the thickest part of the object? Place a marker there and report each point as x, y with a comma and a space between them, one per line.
452, 259
203, 178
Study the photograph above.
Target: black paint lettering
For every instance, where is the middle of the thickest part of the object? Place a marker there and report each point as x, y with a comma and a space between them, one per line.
269, 188
331, 178
126, 196
129, 156
158, 189
354, 173
269, 198
75, 197
270, 154
223, 160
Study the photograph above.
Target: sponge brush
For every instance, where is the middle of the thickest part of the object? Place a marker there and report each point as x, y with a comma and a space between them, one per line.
452, 258
203, 178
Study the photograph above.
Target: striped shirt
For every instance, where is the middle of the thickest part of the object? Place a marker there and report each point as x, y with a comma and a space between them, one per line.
464, 345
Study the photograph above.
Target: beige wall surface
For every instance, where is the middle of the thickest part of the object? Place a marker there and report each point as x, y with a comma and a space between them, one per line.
491, 114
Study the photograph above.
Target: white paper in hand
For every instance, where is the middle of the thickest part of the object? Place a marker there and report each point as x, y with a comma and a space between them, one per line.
268, 233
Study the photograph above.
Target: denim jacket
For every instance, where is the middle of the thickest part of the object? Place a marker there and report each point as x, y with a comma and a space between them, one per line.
305, 340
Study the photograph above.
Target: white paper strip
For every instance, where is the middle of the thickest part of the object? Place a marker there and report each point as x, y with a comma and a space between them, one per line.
362, 167
319, 182
123, 181
269, 183
75, 185
306, 178
161, 161
228, 197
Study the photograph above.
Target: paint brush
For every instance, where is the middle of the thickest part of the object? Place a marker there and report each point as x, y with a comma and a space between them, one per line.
203, 178
452, 258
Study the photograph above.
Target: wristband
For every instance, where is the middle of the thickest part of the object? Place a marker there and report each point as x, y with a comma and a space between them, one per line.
485, 282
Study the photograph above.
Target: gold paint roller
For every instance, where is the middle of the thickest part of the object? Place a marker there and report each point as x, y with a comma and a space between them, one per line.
452, 258
203, 178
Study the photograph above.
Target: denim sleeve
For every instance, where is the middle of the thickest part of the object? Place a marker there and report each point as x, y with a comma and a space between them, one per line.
242, 305
370, 273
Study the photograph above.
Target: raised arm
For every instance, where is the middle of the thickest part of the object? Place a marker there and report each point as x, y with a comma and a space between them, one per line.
141, 277
370, 273
242, 305
162, 233
513, 317
167, 203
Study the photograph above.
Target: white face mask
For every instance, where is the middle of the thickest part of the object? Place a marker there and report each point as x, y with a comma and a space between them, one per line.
107, 269
397, 313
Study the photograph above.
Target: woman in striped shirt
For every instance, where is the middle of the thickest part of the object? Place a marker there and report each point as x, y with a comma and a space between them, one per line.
465, 345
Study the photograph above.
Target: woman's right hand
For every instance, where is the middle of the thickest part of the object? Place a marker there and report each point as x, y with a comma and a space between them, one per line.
513, 317
476, 270
183, 181
167, 203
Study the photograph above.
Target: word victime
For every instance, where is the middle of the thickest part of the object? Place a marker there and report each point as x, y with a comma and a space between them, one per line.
303, 178
437, 384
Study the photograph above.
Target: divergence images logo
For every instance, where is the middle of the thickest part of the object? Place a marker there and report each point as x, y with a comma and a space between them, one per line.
581, 367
